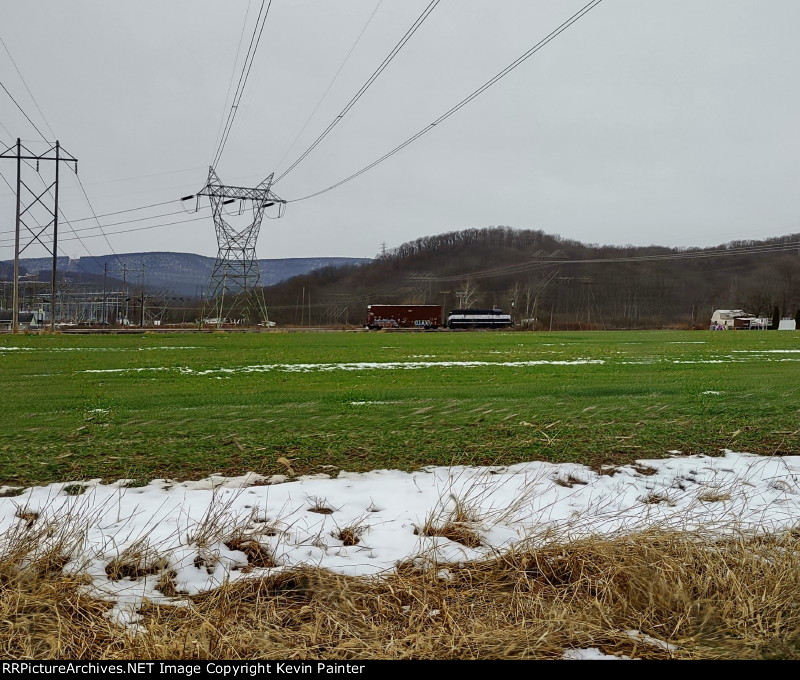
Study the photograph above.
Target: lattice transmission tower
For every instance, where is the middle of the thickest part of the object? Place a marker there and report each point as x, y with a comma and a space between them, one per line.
236, 274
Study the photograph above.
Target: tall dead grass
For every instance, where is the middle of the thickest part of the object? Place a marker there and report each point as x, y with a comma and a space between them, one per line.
707, 598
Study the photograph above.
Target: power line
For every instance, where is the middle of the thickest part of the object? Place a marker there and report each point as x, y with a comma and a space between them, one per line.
153, 226
60, 211
94, 214
146, 175
233, 70
392, 54
330, 84
121, 231
623, 259
243, 77
23, 112
80, 182
119, 212
76, 236
30, 94
116, 224
544, 41
38, 224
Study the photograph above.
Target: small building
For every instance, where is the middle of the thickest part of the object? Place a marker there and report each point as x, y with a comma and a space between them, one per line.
25, 319
787, 325
726, 318
751, 323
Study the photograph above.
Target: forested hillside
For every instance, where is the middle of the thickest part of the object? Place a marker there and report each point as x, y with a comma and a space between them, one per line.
557, 282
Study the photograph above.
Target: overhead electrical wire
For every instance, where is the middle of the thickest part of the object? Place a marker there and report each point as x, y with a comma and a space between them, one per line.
119, 212
117, 224
539, 45
60, 249
392, 54
30, 94
330, 84
49, 127
135, 229
60, 212
76, 236
12, 240
23, 111
193, 169
255, 40
94, 214
624, 259
235, 64
77, 177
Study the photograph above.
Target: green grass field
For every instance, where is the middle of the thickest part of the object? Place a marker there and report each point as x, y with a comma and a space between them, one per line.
153, 415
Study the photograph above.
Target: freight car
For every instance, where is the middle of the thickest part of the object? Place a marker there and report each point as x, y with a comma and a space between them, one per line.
478, 318
404, 316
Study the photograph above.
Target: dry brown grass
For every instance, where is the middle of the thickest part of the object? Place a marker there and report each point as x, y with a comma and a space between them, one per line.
320, 506
714, 497
458, 524
350, 535
711, 599
258, 555
460, 532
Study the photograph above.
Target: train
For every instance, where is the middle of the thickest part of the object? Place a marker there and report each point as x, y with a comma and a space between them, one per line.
428, 317
478, 318
403, 316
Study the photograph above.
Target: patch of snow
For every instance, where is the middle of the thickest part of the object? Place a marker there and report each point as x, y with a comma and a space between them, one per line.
590, 654
649, 640
729, 360
354, 366
767, 351
187, 526
100, 349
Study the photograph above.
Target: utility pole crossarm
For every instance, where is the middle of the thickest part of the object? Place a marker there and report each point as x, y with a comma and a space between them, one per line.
262, 194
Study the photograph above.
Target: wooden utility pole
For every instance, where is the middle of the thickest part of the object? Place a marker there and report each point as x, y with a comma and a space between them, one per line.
105, 274
55, 247
15, 287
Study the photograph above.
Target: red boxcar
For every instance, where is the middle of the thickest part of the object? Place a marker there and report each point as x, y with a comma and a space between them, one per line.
404, 316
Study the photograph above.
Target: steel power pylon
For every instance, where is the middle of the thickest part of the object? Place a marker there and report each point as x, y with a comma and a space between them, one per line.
36, 232
236, 272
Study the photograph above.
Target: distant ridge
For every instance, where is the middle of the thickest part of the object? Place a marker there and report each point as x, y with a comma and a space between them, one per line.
182, 273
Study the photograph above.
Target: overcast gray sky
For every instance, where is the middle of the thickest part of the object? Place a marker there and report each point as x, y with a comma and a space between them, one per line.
672, 122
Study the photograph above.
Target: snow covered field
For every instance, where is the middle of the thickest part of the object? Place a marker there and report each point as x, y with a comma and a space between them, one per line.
194, 536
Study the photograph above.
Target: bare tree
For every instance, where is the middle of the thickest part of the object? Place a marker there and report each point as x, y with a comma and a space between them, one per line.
467, 294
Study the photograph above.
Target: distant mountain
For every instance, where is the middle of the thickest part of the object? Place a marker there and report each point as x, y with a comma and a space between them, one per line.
182, 273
